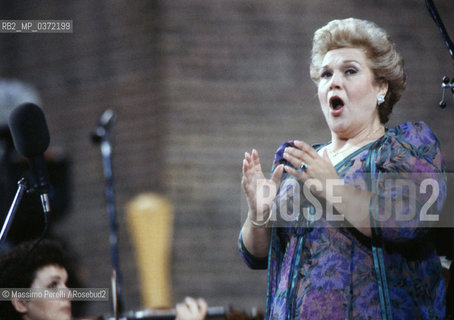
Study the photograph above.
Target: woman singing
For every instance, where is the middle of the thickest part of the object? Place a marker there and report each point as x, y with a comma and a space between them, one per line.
345, 233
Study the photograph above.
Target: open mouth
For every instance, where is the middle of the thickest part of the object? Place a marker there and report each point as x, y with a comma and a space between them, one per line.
336, 103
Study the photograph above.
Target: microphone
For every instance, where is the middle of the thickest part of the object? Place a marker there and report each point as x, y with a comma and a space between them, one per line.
31, 139
105, 124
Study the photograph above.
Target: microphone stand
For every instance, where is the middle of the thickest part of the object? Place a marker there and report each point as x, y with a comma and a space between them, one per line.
446, 83
21, 189
101, 136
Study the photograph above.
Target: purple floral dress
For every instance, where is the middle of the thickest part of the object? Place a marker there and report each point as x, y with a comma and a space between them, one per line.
324, 269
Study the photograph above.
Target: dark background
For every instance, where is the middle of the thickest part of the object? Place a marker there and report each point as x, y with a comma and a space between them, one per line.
195, 84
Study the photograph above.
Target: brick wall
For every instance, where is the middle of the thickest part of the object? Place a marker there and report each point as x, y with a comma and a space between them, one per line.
195, 85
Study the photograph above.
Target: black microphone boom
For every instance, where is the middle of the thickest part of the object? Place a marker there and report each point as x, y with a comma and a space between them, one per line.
31, 139
445, 82
436, 17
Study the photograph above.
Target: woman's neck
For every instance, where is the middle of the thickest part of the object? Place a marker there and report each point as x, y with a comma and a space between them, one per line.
344, 146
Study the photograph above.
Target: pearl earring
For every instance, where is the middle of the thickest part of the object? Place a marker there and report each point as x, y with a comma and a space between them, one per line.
380, 99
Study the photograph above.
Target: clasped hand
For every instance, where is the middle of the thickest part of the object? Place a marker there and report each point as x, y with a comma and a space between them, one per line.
318, 169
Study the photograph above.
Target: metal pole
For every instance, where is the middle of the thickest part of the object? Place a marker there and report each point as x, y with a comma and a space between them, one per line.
106, 151
21, 188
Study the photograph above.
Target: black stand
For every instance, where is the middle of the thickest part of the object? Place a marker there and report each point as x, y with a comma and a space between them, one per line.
445, 83
21, 189
106, 151
101, 135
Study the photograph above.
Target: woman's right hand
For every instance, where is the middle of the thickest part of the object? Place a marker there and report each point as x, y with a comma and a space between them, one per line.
256, 186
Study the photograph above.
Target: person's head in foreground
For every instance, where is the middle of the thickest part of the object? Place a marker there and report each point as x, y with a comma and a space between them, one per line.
44, 268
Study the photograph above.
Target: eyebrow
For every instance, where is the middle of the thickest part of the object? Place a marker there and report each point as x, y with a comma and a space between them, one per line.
343, 62
55, 278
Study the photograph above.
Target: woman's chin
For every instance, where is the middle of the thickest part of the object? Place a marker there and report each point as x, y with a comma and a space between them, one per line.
339, 127
65, 313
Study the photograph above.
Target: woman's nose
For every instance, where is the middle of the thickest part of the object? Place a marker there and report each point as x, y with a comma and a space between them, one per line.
336, 81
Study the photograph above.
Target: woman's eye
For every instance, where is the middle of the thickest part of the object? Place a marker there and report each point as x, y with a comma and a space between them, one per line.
350, 71
326, 74
53, 285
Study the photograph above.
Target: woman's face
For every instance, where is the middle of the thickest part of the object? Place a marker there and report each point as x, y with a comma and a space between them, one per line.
49, 277
347, 92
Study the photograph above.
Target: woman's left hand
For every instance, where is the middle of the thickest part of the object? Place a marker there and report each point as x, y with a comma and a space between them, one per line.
318, 171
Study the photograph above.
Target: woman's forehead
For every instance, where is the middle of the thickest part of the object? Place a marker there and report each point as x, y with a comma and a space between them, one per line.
50, 272
344, 55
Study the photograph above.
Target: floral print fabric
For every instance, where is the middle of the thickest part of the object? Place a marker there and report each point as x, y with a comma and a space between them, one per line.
323, 270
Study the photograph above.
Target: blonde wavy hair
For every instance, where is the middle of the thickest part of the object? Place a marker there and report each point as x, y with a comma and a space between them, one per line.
384, 60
